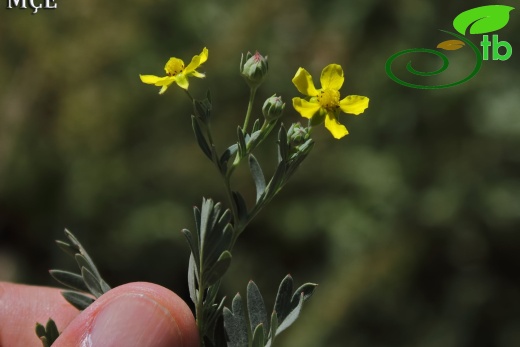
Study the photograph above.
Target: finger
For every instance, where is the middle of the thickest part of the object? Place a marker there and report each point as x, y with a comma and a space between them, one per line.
21, 306
135, 314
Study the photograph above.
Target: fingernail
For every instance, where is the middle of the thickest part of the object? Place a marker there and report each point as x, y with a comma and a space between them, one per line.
133, 320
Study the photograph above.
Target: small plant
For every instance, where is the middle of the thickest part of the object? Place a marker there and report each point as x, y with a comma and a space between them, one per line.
217, 229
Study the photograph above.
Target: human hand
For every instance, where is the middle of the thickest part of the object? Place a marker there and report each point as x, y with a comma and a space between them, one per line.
134, 314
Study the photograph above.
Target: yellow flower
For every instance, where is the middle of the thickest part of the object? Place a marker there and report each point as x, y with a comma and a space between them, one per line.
325, 104
176, 72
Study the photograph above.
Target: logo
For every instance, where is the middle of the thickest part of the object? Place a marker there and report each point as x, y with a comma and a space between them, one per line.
480, 21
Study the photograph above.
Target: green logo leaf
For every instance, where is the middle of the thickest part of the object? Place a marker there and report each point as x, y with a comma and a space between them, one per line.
482, 20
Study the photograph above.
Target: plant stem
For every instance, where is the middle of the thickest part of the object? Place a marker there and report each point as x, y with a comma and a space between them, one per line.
252, 93
189, 94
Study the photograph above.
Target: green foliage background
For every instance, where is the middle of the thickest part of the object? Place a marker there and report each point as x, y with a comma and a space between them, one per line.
409, 224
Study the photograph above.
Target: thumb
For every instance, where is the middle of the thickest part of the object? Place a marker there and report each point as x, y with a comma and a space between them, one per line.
135, 314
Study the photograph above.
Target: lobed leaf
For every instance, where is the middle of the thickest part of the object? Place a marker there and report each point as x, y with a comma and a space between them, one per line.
291, 317
235, 324
47, 334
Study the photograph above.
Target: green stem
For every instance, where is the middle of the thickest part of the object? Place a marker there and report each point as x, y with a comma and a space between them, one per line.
252, 94
189, 94
199, 315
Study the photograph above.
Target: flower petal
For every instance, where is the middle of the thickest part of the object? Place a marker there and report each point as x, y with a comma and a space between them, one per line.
149, 79
354, 104
303, 82
197, 61
332, 77
182, 81
336, 129
305, 108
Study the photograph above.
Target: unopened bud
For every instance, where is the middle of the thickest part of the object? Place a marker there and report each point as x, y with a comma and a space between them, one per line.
254, 69
297, 134
273, 108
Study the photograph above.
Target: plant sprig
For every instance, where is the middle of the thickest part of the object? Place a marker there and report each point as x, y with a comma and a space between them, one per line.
86, 286
217, 231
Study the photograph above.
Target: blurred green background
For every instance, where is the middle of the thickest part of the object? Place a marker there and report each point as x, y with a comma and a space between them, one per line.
409, 224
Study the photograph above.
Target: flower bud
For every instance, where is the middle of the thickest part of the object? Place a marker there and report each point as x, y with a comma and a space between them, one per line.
297, 134
273, 108
254, 69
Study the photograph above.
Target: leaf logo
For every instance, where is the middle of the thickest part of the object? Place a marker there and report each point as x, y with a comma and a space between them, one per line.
482, 20
451, 45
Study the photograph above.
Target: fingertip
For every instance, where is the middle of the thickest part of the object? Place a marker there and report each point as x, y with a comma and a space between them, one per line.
135, 314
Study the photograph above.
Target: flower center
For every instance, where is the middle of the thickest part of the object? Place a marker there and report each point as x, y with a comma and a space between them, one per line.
174, 66
329, 98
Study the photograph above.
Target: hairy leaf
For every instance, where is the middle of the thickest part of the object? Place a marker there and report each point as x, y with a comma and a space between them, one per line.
258, 176
256, 307
69, 279
235, 323
201, 140
78, 300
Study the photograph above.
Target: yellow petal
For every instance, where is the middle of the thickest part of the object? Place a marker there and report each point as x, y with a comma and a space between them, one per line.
305, 108
332, 77
303, 82
149, 79
336, 129
182, 81
354, 104
164, 81
197, 61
